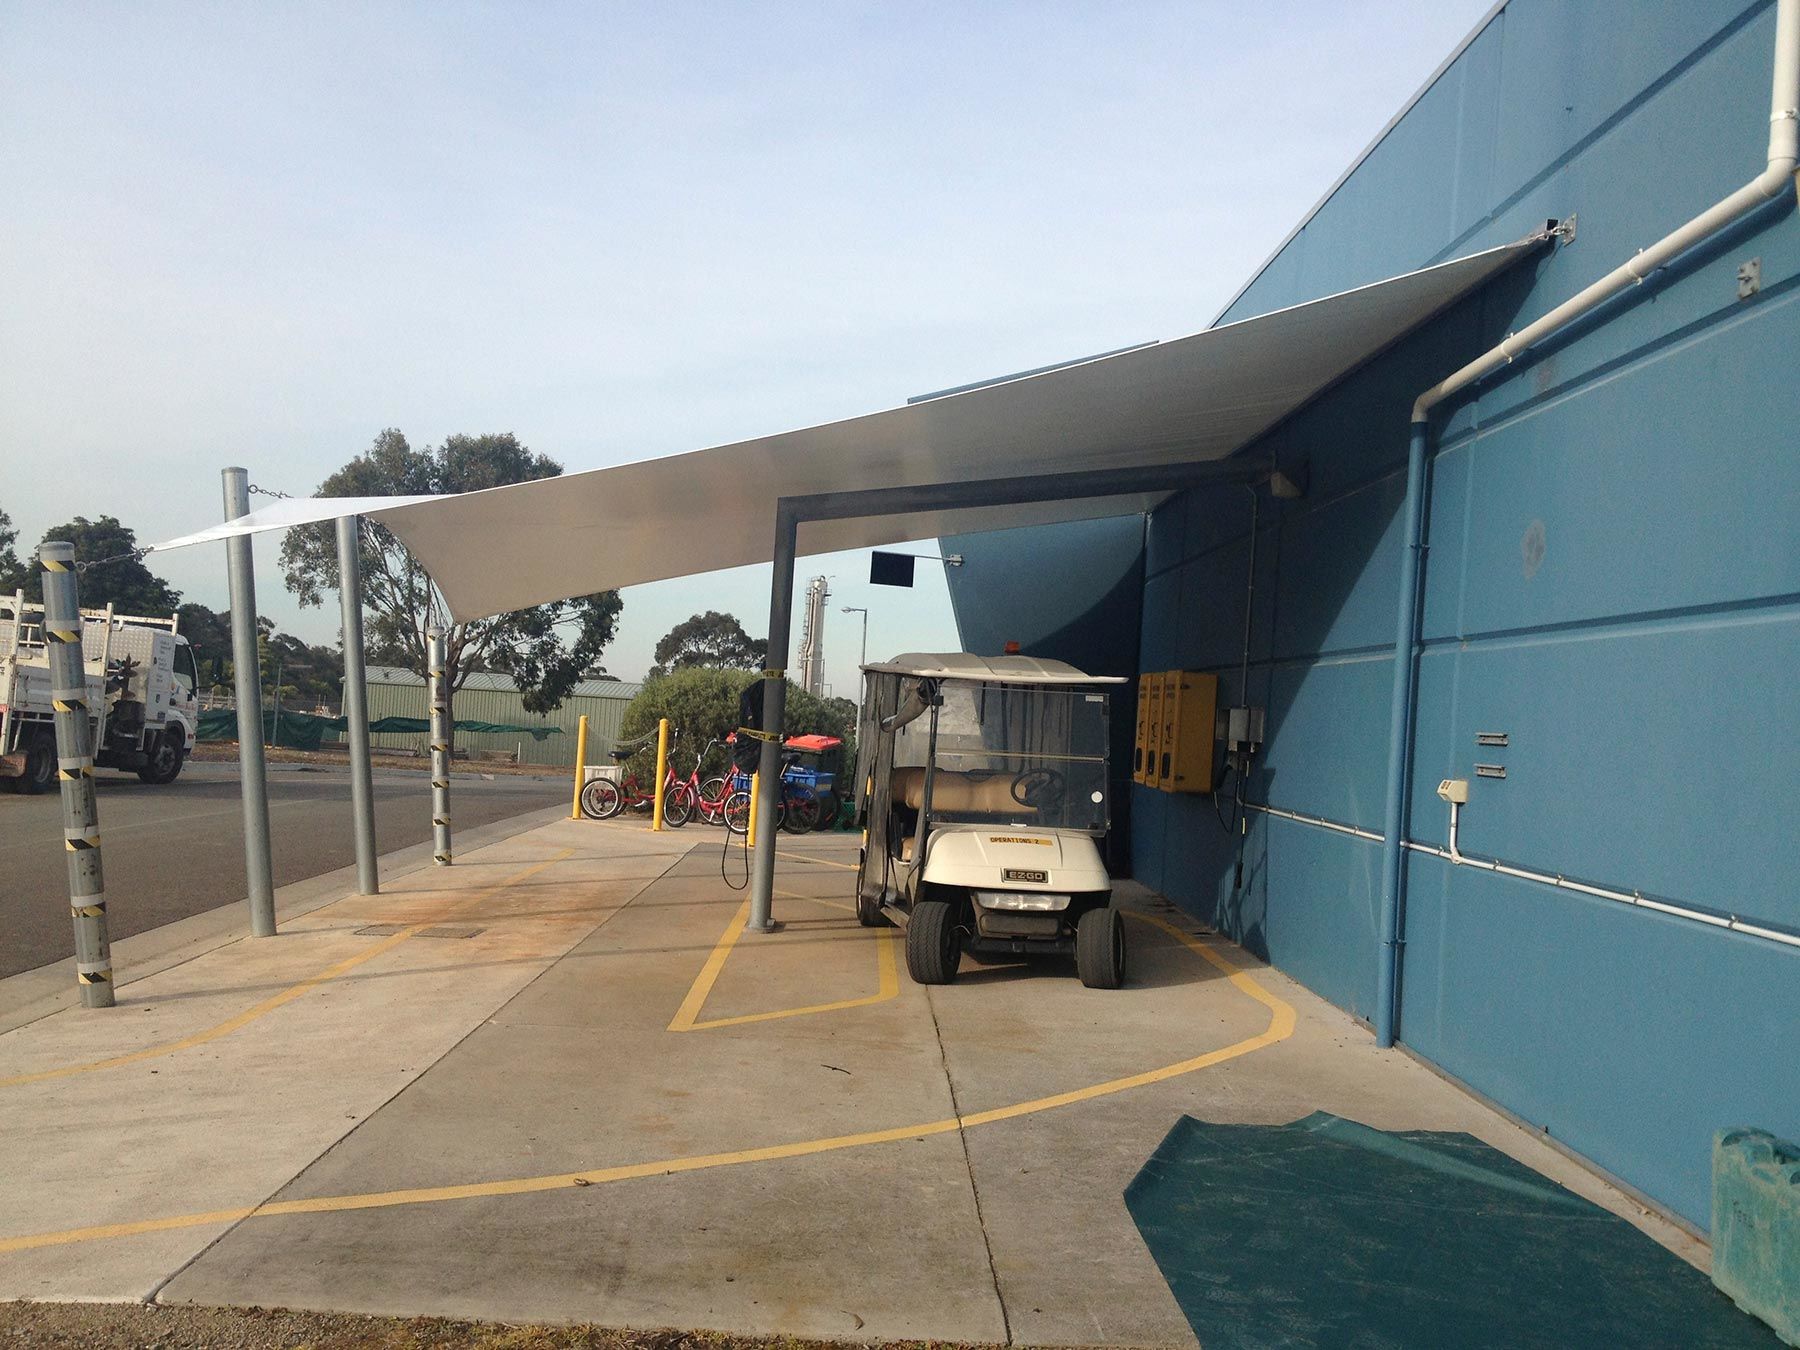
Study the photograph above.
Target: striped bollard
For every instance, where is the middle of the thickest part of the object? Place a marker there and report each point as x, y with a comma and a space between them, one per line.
75, 772
440, 747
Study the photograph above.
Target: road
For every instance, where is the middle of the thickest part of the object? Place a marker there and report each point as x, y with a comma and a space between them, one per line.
179, 850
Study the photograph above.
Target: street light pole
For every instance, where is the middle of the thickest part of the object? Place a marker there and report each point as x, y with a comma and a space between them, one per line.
858, 609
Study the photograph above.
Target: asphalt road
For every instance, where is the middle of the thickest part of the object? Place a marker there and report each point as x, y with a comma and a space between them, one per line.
179, 850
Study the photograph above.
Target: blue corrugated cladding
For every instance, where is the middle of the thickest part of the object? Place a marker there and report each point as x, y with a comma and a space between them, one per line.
1613, 580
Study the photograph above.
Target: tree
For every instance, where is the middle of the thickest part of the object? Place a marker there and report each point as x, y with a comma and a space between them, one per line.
709, 639
701, 703
12, 571
210, 634
124, 582
545, 649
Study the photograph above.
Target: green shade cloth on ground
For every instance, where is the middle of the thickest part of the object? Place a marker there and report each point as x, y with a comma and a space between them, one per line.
1329, 1233
306, 731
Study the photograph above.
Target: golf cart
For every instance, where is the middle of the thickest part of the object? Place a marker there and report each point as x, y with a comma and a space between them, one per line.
985, 792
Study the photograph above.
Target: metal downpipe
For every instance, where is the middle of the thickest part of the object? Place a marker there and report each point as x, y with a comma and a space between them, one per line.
1400, 723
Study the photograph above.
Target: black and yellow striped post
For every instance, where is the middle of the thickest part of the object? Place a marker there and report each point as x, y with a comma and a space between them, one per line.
435, 661
75, 770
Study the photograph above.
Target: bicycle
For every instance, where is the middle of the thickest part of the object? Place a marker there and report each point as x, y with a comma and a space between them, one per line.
602, 798
704, 799
807, 801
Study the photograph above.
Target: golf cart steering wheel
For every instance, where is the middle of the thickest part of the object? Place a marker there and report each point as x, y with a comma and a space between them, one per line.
1040, 789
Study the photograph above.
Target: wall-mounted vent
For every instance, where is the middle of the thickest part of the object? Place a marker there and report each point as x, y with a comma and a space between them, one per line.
1490, 770
1490, 738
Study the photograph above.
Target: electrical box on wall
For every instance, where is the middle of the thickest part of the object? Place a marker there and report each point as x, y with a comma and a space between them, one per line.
1190, 705
1150, 696
1141, 751
1176, 731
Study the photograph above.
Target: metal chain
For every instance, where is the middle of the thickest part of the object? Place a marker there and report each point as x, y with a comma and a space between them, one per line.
132, 556
269, 492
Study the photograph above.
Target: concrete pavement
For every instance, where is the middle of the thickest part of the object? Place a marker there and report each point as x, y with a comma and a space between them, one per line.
178, 850
610, 1104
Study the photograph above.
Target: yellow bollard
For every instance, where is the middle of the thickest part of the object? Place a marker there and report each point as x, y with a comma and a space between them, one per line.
662, 769
750, 825
580, 765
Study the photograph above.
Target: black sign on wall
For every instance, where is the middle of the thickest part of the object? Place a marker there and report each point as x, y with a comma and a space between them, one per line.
891, 569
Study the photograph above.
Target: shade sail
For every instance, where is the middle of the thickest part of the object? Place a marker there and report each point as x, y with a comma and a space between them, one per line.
1194, 399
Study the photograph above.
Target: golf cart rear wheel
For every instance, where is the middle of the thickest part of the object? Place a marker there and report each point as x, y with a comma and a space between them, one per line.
868, 912
933, 946
1100, 949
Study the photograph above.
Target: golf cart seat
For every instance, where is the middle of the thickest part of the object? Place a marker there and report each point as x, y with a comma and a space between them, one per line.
963, 793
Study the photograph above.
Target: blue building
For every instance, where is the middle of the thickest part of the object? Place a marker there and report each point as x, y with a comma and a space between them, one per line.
1611, 586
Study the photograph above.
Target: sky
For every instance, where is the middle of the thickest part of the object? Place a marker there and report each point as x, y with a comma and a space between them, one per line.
260, 234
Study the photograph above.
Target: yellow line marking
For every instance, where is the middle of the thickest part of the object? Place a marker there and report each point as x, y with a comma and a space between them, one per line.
823, 862
687, 1017
1281, 1025
286, 996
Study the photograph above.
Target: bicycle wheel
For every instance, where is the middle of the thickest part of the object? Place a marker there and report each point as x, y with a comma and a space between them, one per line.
828, 810
736, 812
714, 793
600, 799
678, 806
801, 813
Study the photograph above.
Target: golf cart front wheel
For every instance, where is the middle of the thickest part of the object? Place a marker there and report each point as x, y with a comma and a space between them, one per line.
933, 946
1100, 948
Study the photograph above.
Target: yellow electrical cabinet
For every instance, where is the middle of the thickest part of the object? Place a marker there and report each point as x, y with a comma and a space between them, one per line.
1141, 751
1177, 733
1150, 693
1190, 702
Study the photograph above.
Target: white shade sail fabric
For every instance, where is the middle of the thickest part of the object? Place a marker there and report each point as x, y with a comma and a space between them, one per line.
1194, 399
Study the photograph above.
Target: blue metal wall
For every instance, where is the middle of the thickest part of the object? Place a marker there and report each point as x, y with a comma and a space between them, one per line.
1613, 580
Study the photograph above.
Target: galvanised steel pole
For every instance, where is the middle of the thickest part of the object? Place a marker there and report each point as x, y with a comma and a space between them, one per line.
435, 659
781, 604
356, 704
253, 785
75, 769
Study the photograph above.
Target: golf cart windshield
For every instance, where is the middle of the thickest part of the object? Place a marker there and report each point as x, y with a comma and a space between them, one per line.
1007, 754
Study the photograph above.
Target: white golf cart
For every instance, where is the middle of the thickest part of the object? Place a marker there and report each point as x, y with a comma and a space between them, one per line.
984, 792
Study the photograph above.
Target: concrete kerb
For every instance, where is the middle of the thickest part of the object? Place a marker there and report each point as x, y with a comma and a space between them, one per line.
35, 994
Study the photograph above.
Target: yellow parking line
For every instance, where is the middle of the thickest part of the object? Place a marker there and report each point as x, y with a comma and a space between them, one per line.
286, 996
688, 1015
823, 862
1281, 1026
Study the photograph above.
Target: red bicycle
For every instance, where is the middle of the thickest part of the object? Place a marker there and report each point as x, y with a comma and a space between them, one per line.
705, 799
602, 798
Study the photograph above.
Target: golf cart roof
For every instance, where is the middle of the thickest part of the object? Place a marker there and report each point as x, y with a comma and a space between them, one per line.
993, 669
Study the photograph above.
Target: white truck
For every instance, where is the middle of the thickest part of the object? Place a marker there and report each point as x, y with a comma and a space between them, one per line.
142, 695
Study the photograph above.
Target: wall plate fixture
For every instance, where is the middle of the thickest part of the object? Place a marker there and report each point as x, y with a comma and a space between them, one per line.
1563, 229
1490, 738
1490, 770
1749, 278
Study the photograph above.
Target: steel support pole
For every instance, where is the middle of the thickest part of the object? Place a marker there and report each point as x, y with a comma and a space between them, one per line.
75, 770
781, 604
440, 747
253, 785
356, 704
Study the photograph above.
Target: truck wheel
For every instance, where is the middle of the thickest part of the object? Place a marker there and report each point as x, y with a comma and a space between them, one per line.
933, 946
1100, 949
40, 765
166, 758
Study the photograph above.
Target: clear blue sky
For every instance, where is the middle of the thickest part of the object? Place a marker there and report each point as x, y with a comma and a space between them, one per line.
259, 234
